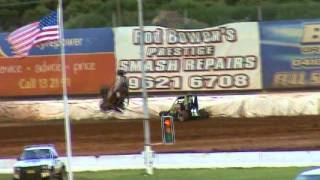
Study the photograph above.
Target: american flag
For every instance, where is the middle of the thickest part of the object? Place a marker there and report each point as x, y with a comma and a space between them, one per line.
25, 37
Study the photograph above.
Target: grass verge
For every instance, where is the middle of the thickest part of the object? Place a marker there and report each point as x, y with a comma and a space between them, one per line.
190, 174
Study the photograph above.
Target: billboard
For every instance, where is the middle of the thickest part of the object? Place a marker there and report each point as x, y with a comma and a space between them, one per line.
90, 64
290, 52
225, 57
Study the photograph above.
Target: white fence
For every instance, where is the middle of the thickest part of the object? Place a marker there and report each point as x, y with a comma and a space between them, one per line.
189, 160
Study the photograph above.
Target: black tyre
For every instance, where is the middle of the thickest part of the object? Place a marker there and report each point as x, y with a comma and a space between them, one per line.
183, 116
62, 174
104, 91
163, 113
48, 178
203, 113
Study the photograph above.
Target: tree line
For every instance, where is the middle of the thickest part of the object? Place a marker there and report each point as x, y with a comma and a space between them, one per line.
193, 13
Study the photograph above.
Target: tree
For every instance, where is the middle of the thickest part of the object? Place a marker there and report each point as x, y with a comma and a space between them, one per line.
100, 13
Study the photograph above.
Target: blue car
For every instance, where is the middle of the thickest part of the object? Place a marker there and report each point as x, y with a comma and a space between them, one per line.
310, 174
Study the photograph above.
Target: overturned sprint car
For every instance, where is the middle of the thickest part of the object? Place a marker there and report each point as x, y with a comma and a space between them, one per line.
185, 108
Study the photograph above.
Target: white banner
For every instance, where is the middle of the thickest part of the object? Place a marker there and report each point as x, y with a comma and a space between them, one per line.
219, 58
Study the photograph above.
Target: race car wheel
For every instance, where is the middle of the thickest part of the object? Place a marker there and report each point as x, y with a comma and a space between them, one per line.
203, 113
183, 115
163, 113
49, 178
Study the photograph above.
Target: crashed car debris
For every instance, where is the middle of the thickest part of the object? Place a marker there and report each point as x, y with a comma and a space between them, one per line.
185, 108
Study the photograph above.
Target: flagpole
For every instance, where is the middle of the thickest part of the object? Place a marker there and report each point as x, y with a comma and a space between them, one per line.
65, 93
148, 153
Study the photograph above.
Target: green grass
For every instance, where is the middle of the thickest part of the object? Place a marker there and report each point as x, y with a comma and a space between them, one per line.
191, 174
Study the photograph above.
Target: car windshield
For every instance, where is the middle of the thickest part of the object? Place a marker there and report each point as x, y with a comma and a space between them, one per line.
308, 177
35, 154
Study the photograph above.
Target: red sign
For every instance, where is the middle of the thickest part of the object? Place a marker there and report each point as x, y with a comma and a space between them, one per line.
41, 75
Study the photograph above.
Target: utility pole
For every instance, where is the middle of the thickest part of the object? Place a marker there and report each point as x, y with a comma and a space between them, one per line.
65, 93
119, 12
259, 10
148, 153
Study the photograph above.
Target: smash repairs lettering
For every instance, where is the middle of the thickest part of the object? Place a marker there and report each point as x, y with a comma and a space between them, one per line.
221, 63
174, 36
180, 51
198, 37
161, 65
158, 82
219, 81
150, 37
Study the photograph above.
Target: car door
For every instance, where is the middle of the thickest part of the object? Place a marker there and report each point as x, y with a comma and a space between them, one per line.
56, 163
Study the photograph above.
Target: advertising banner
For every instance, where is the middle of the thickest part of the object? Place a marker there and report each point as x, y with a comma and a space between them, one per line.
90, 65
218, 58
290, 53
41, 75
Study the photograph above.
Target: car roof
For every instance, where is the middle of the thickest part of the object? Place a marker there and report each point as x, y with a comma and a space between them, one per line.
40, 146
315, 171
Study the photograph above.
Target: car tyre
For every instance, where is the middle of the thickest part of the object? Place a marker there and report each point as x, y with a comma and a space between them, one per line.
183, 115
203, 113
48, 178
62, 174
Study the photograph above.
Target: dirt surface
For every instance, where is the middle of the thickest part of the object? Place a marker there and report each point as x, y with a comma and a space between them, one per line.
126, 136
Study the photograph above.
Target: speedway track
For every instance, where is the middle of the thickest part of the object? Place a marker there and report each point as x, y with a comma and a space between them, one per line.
97, 137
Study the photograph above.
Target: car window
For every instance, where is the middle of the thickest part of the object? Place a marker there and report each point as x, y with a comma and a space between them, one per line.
35, 154
44, 153
28, 154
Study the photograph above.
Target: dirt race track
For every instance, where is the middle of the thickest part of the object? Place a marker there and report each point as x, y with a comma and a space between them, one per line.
91, 137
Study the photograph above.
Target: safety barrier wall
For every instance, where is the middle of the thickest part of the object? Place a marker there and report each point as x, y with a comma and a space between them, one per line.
189, 160
290, 104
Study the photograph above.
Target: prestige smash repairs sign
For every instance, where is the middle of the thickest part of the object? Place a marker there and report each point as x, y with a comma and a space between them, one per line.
218, 58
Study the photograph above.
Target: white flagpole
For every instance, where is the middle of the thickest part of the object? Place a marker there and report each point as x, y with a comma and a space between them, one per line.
148, 153
65, 93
